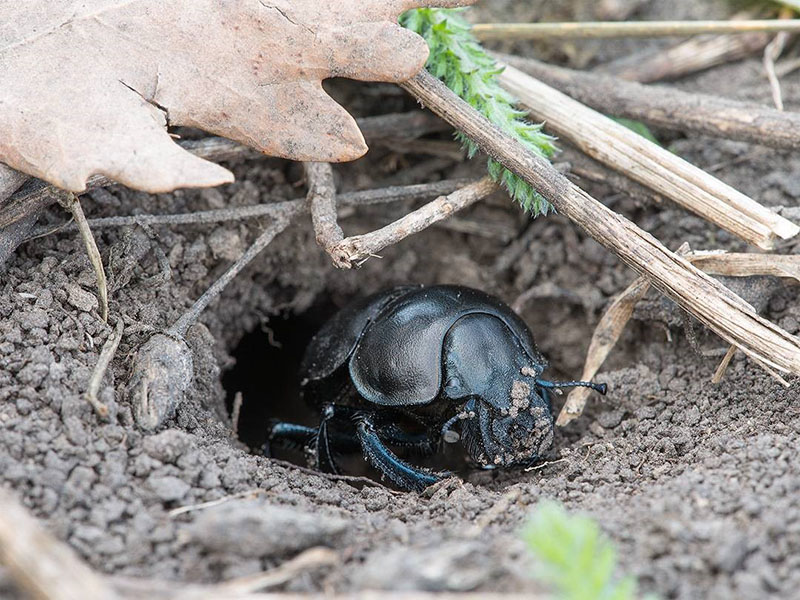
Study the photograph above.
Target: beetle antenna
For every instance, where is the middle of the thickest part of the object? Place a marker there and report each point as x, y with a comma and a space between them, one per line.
602, 388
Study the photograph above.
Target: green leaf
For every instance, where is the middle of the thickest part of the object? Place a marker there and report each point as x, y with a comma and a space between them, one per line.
638, 127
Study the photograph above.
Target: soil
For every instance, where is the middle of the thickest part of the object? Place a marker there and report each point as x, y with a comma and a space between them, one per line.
697, 484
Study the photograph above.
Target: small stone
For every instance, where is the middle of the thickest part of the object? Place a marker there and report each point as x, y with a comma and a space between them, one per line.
255, 528
168, 445
455, 566
168, 488
81, 299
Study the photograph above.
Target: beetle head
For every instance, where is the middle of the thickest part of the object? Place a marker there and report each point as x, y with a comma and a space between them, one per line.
504, 407
504, 420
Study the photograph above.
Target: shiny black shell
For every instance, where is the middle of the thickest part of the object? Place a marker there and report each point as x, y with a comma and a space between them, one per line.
393, 341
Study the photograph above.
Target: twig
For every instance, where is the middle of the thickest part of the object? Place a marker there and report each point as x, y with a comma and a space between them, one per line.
309, 560
605, 337
322, 205
11, 180
772, 53
282, 221
669, 108
42, 565
71, 203
649, 164
626, 29
406, 193
354, 250
106, 355
688, 57
176, 512
39, 195
709, 301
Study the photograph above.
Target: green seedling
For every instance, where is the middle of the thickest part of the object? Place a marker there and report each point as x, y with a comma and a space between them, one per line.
575, 559
466, 68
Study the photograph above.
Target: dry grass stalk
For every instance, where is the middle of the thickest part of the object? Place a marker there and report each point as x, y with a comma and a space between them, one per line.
772, 53
606, 335
353, 251
106, 355
746, 265
627, 29
723, 366
705, 298
617, 315
649, 164
71, 203
669, 108
41, 565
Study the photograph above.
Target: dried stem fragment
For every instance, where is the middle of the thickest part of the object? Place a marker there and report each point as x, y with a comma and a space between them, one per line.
41, 565
669, 108
106, 356
626, 29
723, 366
354, 250
71, 203
605, 337
772, 53
649, 164
709, 301
734, 264
688, 57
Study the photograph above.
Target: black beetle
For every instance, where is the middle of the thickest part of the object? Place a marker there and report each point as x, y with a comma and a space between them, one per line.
405, 367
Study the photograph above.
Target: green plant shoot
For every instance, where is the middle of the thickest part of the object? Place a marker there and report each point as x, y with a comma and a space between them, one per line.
466, 68
575, 559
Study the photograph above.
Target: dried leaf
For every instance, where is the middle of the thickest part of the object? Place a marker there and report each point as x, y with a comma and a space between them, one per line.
90, 87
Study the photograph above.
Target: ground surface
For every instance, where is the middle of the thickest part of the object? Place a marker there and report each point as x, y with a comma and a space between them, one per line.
697, 484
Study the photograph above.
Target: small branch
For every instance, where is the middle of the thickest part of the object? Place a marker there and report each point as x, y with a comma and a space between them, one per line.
106, 356
11, 180
407, 193
182, 510
322, 205
71, 203
649, 164
710, 302
282, 221
617, 315
627, 29
669, 108
41, 565
353, 251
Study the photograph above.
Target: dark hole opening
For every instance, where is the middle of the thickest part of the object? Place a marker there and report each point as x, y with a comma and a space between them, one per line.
267, 361
266, 374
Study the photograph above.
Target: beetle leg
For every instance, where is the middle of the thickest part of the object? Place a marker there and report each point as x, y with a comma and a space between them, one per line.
399, 472
417, 442
324, 452
288, 435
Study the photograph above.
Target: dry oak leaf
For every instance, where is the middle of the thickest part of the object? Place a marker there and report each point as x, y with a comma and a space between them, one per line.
90, 86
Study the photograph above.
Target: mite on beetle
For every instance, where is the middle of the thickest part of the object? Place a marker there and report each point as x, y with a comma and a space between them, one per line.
412, 367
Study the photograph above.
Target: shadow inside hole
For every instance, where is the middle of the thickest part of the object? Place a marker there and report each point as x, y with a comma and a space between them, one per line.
266, 374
